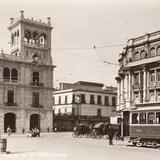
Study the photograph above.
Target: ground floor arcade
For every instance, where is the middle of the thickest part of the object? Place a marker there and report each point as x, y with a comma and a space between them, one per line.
23, 120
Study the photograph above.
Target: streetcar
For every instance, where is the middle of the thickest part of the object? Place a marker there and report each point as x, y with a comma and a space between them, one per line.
145, 126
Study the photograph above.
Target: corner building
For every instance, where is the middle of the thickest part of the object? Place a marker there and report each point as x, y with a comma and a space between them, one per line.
83, 102
26, 77
139, 80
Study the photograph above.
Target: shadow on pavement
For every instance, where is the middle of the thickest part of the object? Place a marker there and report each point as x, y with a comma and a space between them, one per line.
20, 152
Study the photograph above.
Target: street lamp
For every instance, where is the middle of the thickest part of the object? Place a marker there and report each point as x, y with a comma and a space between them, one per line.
78, 102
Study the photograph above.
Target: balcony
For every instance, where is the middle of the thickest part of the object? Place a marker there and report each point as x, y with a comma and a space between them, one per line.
10, 104
39, 84
36, 106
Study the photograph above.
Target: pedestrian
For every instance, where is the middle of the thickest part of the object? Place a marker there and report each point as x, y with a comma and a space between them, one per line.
48, 129
55, 129
23, 130
37, 132
9, 130
110, 134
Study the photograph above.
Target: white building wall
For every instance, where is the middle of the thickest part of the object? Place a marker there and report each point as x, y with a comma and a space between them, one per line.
84, 109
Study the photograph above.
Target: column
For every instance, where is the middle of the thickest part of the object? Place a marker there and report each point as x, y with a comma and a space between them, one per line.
129, 87
155, 91
144, 85
132, 91
119, 91
140, 100
148, 81
122, 90
127, 94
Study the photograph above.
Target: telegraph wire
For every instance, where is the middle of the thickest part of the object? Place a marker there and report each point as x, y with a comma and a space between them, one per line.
87, 48
66, 52
104, 61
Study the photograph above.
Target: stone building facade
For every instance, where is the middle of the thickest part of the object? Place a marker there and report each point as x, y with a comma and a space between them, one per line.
83, 102
26, 77
139, 77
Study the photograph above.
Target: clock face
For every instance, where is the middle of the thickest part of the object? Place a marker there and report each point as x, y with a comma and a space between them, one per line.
36, 58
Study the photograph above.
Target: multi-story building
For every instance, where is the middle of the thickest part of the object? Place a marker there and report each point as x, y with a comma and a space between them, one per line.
139, 78
26, 77
83, 102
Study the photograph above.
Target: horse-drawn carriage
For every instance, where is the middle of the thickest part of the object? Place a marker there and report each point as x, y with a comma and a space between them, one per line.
99, 130
81, 130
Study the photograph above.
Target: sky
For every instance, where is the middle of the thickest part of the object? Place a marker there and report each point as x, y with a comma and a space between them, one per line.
86, 33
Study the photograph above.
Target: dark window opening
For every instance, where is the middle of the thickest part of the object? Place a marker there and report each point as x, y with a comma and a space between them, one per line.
142, 118
99, 112
6, 74
35, 77
66, 99
113, 101
83, 100
92, 101
99, 101
73, 98
135, 118
106, 101
14, 75
35, 100
10, 97
59, 100
151, 118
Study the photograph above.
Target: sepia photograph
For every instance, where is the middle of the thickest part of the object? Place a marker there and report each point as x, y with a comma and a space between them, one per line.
80, 80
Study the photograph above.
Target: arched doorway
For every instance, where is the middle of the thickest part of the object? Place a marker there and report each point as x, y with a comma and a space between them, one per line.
10, 120
34, 121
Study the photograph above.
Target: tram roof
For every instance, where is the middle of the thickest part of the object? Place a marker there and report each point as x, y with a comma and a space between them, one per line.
153, 108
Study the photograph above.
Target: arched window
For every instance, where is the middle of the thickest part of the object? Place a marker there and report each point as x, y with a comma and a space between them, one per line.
143, 54
136, 56
6, 74
158, 50
14, 75
152, 52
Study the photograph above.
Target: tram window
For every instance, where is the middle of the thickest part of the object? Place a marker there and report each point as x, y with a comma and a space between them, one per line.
151, 118
135, 118
158, 117
142, 118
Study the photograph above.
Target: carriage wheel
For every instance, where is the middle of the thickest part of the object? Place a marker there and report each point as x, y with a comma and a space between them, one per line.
99, 136
88, 135
80, 135
74, 134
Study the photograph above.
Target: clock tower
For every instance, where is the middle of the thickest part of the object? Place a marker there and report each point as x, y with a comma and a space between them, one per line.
26, 87
31, 40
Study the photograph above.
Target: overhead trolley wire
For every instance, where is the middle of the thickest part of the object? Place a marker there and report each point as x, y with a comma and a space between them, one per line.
85, 48
104, 61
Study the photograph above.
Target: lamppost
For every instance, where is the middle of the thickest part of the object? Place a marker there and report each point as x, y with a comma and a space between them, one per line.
78, 103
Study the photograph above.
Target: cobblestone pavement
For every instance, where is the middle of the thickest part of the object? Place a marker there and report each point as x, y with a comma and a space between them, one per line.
62, 146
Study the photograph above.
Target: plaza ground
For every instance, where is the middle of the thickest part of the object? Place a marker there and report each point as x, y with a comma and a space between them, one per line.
62, 146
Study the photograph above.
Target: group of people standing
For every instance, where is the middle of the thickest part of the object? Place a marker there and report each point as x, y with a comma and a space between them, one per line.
34, 133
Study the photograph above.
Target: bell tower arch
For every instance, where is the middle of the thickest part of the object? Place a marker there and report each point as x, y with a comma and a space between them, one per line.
31, 39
